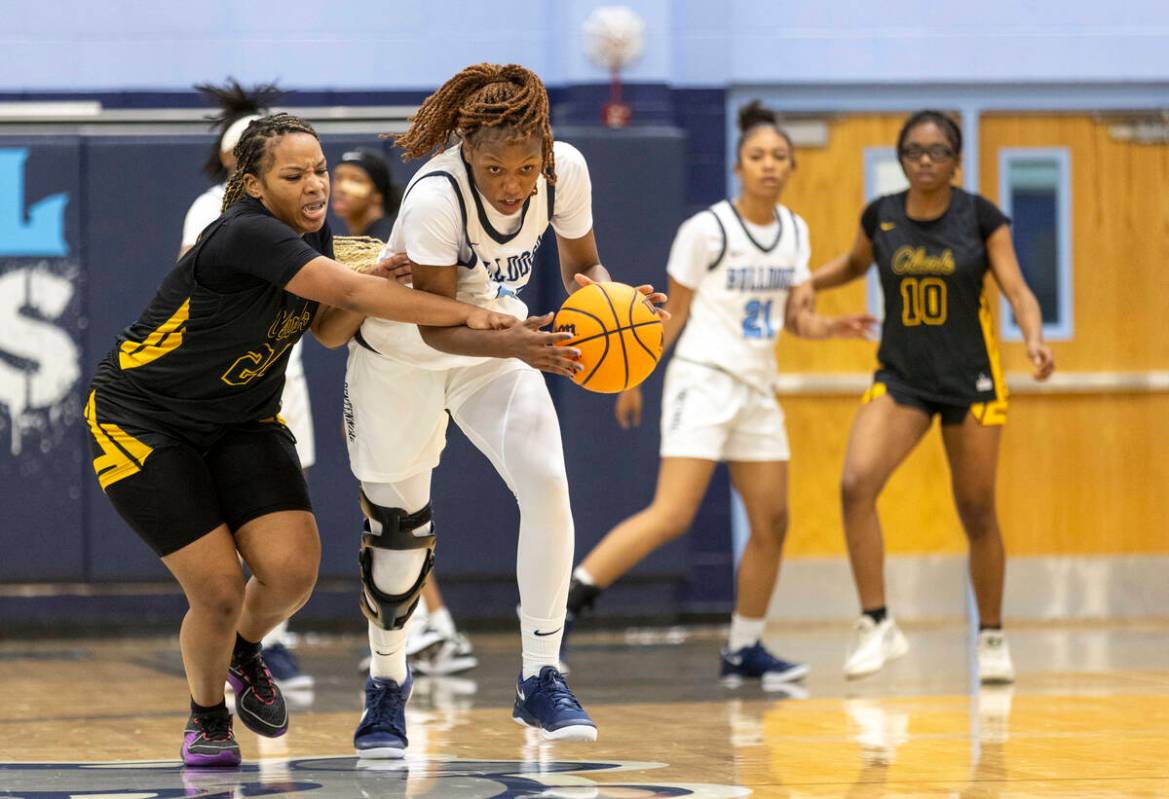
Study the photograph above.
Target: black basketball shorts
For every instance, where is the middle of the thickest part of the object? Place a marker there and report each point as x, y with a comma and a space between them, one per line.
173, 492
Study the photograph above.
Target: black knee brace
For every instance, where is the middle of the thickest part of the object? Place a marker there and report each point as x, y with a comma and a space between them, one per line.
399, 532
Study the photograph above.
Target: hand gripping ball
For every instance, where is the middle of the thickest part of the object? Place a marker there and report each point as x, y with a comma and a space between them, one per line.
618, 333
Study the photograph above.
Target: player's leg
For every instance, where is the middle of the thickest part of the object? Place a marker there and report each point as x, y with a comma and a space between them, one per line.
296, 411
506, 412
972, 450
208, 570
163, 489
682, 483
884, 432
397, 554
763, 488
265, 501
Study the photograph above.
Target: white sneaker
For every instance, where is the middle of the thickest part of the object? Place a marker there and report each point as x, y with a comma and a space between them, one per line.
875, 645
994, 658
420, 637
450, 656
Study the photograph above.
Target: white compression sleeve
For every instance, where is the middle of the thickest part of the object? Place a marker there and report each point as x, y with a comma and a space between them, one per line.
513, 422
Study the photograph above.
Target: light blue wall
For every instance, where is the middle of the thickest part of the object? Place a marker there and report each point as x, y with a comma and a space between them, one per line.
80, 45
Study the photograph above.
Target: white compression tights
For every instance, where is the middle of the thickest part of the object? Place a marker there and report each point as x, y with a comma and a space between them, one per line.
513, 422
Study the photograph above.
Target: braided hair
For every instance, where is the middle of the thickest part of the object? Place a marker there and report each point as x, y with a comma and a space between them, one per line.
235, 102
509, 98
253, 153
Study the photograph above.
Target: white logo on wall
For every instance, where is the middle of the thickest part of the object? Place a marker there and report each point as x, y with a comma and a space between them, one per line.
39, 361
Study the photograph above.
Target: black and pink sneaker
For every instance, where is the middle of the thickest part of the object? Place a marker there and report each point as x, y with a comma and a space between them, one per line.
209, 741
258, 701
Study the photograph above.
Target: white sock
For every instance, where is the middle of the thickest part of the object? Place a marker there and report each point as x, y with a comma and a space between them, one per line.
278, 635
744, 632
583, 576
441, 621
541, 643
387, 650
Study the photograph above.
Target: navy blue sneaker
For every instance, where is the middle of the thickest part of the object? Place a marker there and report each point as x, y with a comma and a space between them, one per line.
756, 663
285, 670
545, 702
381, 732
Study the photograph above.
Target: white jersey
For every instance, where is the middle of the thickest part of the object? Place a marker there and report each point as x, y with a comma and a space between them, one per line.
203, 212
444, 220
740, 274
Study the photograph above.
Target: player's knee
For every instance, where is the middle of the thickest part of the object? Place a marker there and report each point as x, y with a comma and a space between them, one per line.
220, 600
858, 488
978, 515
300, 579
669, 520
773, 530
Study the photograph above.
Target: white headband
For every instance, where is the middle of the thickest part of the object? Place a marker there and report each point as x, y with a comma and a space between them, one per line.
235, 131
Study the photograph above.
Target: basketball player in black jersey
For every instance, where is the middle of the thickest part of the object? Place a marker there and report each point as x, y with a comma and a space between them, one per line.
185, 432
933, 245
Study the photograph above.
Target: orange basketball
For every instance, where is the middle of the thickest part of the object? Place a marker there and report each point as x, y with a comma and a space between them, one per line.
618, 332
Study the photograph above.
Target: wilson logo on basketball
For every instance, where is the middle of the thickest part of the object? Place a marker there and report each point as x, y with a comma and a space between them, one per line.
566, 329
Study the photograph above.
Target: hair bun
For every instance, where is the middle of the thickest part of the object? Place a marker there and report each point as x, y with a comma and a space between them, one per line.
753, 113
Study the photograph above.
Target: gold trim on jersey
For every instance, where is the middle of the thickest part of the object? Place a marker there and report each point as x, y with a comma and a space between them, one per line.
122, 454
994, 412
167, 337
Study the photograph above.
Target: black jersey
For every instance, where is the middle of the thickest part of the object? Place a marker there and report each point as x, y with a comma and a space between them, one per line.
211, 348
937, 339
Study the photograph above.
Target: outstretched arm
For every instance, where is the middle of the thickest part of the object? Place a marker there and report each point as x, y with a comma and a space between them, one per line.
845, 268
331, 283
1004, 265
524, 340
801, 319
333, 327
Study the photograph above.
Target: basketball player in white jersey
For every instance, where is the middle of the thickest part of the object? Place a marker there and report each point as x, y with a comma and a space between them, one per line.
738, 274
471, 221
239, 107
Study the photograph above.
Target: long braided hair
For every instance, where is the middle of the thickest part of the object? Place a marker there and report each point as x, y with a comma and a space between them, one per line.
509, 98
235, 102
253, 152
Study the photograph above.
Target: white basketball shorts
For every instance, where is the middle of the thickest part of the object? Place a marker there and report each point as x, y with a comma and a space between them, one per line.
709, 414
396, 413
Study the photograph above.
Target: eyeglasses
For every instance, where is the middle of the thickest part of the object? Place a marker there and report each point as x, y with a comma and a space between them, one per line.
936, 152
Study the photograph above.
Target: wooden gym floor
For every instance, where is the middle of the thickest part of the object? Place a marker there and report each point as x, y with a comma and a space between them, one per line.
1088, 717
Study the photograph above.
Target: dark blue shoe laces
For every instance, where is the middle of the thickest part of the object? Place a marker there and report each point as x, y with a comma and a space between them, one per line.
556, 688
385, 704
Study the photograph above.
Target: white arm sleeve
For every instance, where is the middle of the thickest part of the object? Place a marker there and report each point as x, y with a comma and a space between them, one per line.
431, 224
697, 244
202, 213
572, 214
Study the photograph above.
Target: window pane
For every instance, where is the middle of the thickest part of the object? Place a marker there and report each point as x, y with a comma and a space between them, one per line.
1034, 204
1035, 193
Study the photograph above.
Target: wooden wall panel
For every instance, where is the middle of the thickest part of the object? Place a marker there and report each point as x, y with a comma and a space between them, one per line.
1120, 239
1077, 475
